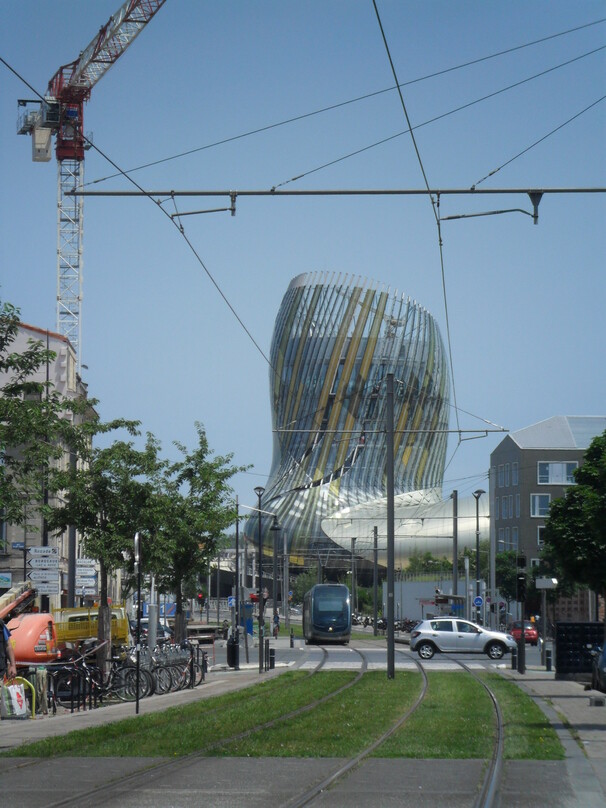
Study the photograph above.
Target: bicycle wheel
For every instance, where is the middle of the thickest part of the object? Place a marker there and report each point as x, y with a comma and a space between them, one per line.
162, 679
124, 683
66, 687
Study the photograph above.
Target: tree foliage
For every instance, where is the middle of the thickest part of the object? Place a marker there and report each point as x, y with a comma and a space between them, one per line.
35, 421
506, 570
575, 532
192, 510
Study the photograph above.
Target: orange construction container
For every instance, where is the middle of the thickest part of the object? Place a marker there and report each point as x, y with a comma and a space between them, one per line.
34, 638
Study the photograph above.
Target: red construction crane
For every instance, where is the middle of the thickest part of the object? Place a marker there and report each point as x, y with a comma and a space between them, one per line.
61, 114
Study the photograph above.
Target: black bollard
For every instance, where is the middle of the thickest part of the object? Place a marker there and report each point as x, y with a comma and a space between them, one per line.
514, 659
548, 659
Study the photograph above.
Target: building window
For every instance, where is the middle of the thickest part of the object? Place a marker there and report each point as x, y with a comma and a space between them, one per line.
514, 538
514, 474
496, 508
510, 506
534, 562
507, 475
507, 537
539, 505
501, 478
540, 540
517, 506
556, 473
504, 511
502, 547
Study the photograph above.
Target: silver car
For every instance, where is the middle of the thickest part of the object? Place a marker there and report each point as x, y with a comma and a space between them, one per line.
450, 634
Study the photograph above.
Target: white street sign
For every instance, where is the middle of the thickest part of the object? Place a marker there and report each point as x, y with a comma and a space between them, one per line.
87, 590
86, 572
43, 575
85, 562
85, 582
43, 551
44, 562
48, 588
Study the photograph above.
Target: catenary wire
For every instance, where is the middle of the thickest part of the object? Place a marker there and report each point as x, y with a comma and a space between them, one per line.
340, 104
540, 140
436, 118
434, 207
178, 226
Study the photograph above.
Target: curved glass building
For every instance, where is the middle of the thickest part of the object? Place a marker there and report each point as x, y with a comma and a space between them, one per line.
335, 340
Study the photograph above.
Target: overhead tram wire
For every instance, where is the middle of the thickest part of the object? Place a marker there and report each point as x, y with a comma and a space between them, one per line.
178, 226
436, 118
340, 104
540, 140
433, 207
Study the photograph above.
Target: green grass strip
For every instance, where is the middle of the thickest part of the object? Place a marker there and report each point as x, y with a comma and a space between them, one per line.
455, 720
182, 730
528, 733
341, 727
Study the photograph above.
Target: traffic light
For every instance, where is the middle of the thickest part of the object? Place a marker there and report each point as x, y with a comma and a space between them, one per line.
200, 599
521, 581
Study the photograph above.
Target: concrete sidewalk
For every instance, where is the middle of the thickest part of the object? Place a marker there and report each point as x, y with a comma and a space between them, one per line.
578, 715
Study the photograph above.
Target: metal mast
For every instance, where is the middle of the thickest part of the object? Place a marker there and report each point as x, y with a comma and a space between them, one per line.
61, 114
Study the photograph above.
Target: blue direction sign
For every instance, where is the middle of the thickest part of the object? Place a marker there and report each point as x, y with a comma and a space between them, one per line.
18, 545
478, 601
231, 602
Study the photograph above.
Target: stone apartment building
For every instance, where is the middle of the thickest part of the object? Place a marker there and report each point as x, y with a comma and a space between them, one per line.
15, 541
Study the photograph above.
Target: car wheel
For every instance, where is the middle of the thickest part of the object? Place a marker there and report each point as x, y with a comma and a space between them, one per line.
495, 650
426, 650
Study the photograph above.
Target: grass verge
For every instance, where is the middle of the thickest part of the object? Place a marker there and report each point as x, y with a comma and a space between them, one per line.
456, 720
528, 733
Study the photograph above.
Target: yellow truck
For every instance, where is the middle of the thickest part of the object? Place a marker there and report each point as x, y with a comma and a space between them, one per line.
75, 625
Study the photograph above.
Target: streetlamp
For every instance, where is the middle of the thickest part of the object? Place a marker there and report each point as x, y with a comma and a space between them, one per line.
275, 527
477, 494
259, 491
137, 558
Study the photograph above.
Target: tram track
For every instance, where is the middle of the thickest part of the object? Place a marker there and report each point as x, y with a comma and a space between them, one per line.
487, 796
100, 794
146, 775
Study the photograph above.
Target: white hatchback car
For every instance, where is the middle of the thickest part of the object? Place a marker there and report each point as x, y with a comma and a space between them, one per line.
450, 634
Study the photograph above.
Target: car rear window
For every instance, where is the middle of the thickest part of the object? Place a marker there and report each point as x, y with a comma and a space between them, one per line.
441, 625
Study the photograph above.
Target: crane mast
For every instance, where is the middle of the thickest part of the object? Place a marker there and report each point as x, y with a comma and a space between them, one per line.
61, 114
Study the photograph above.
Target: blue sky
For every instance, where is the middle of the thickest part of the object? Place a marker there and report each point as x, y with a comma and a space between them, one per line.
525, 302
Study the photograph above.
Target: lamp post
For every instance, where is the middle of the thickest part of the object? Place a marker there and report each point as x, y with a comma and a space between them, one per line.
237, 592
259, 491
477, 494
275, 527
137, 555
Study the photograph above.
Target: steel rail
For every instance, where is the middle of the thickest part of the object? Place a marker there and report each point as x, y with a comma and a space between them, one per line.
344, 769
157, 769
488, 795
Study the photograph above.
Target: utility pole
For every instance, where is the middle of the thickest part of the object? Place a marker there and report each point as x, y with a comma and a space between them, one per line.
389, 460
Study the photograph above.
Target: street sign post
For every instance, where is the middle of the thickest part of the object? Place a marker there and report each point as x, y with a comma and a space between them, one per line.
43, 575
44, 562
42, 551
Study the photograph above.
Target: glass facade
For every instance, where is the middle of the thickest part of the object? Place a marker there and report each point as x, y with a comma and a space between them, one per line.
335, 340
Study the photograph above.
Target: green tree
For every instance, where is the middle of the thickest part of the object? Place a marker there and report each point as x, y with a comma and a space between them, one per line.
107, 498
575, 532
303, 583
506, 568
193, 507
36, 422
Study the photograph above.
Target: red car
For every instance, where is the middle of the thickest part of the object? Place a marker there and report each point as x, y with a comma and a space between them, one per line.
531, 633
